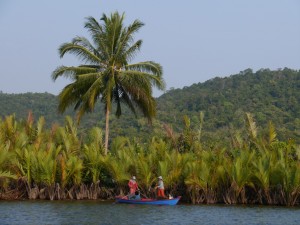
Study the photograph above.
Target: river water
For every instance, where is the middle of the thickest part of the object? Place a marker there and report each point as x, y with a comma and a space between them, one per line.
99, 212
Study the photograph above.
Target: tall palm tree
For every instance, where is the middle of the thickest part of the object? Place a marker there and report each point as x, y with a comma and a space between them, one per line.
107, 75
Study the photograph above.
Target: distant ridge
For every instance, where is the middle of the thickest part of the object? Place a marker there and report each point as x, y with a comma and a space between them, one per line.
268, 95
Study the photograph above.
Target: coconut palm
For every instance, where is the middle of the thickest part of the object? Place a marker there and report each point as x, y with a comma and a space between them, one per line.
107, 75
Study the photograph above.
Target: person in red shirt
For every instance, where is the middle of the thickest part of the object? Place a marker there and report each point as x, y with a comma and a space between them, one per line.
133, 186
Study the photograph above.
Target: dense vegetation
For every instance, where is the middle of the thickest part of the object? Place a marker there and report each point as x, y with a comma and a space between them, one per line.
268, 95
204, 142
55, 163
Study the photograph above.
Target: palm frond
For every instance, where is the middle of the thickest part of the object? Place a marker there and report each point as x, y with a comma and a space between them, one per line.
153, 71
251, 125
78, 50
7, 175
272, 133
130, 52
125, 99
72, 72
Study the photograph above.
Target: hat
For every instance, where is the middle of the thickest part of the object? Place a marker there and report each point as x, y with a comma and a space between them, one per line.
133, 177
160, 177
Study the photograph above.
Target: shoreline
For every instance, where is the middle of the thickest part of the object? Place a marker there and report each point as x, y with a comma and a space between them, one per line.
112, 201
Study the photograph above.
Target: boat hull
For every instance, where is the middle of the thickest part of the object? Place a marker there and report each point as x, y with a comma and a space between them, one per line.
173, 201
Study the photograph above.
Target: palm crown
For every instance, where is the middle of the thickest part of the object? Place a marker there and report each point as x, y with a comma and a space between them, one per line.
106, 74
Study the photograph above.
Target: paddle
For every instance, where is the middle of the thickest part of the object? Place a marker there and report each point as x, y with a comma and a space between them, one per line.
152, 189
141, 194
145, 196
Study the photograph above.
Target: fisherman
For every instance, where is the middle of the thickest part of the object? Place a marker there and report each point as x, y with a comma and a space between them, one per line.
136, 196
133, 186
160, 188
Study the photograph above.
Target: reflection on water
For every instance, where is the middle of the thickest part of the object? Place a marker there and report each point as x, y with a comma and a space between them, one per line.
98, 212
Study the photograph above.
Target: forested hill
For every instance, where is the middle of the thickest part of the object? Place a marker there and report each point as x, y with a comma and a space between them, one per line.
268, 95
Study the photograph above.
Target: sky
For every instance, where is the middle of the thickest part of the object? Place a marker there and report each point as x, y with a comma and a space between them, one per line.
194, 40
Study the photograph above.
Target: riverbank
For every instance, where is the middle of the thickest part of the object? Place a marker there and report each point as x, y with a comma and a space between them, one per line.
21, 196
58, 164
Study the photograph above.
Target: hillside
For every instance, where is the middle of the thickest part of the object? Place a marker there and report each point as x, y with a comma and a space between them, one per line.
268, 95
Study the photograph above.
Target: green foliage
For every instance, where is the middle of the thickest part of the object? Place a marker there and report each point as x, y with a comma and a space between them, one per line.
55, 163
243, 148
267, 95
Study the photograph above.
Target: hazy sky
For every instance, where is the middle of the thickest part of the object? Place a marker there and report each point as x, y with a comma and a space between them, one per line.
194, 40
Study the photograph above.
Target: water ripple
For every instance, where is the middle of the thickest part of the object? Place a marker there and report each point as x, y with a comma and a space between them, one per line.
108, 213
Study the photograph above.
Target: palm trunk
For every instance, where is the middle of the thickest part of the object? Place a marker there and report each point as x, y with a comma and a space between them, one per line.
106, 130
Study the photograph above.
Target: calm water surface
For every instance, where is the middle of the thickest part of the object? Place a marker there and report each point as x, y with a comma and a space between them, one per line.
98, 212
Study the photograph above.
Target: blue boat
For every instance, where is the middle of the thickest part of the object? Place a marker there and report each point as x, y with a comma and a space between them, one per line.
148, 201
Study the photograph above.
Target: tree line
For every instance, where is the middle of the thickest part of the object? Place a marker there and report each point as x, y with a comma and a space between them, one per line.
268, 95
